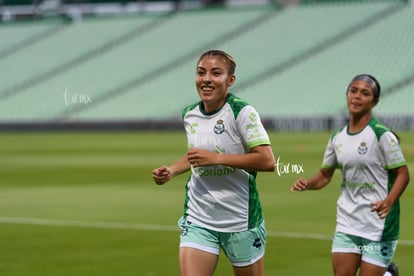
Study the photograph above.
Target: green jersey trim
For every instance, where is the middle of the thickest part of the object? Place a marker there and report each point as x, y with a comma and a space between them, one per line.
255, 208
188, 109
378, 127
259, 143
335, 133
186, 196
396, 165
236, 104
392, 221
326, 166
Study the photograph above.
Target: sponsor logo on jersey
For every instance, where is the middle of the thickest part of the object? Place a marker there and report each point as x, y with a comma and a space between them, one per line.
215, 171
358, 185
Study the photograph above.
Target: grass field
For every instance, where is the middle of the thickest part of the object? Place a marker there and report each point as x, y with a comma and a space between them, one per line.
85, 204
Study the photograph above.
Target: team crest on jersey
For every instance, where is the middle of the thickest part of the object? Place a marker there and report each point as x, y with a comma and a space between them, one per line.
219, 127
363, 149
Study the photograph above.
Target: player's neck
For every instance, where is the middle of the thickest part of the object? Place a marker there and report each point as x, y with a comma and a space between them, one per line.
358, 122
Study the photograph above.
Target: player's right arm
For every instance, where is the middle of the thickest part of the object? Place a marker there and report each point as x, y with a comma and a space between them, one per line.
318, 181
163, 174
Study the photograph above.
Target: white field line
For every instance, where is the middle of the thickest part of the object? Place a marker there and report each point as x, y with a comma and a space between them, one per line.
152, 227
87, 224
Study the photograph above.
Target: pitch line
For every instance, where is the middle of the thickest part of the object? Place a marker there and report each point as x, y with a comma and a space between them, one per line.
87, 224
153, 227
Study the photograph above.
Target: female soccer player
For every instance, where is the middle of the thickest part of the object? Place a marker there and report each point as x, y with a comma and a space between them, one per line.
227, 145
374, 175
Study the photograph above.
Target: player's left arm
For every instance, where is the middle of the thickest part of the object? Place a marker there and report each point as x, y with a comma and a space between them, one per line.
395, 163
401, 181
259, 158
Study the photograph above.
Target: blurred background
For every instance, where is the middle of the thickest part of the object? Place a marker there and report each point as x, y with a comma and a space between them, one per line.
128, 64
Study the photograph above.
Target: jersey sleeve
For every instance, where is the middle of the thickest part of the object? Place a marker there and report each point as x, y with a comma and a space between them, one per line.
329, 157
391, 149
251, 128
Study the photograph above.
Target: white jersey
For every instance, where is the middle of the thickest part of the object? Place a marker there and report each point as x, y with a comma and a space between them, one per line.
366, 159
221, 198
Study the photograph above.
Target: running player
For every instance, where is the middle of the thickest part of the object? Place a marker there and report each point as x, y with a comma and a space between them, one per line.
227, 145
374, 176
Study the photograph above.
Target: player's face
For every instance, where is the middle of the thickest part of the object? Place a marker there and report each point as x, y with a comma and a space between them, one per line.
360, 98
212, 82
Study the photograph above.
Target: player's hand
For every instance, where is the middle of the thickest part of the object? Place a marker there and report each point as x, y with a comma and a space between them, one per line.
161, 175
382, 208
300, 185
201, 157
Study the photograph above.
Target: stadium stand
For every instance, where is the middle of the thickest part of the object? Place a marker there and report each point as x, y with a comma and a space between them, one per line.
43, 67
170, 84
133, 62
18, 35
293, 63
314, 86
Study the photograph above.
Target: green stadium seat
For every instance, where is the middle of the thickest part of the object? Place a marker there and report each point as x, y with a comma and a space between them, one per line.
292, 62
